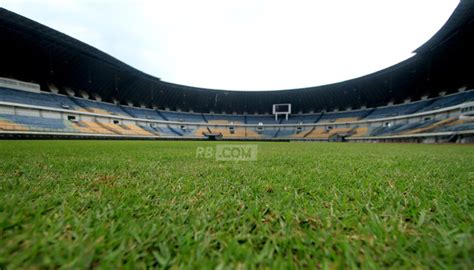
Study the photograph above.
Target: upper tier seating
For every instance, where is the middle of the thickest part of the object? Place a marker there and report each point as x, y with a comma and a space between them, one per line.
37, 99
142, 113
228, 118
343, 116
100, 107
181, 116
448, 101
397, 110
303, 118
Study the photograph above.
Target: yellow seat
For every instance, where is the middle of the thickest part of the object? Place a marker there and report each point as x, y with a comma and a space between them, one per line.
10, 126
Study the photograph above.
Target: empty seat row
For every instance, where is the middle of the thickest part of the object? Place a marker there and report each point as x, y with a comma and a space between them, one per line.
36, 99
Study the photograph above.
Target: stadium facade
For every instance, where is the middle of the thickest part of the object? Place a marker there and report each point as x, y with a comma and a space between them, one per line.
53, 85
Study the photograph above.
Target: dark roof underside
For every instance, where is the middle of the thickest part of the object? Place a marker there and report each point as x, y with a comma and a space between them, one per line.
33, 52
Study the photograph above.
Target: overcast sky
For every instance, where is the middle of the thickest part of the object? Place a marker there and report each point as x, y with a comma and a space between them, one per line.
247, 44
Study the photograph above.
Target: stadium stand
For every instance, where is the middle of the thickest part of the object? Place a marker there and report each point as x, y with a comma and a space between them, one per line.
222, 123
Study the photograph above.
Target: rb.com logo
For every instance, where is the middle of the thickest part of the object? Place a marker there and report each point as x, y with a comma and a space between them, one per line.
229, 152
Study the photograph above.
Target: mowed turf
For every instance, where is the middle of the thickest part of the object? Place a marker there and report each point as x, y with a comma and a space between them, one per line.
154, 204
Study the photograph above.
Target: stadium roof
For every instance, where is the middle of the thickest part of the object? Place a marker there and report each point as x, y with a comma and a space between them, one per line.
33, 52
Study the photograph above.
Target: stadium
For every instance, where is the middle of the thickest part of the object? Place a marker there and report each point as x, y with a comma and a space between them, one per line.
62, 87
155, 197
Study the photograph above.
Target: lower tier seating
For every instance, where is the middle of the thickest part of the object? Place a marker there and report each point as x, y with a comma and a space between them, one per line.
9, 122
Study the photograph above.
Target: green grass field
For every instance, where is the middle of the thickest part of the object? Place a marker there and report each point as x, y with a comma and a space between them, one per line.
135, 204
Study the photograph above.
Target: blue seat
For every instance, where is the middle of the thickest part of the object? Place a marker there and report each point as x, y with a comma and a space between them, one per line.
397, 110
109, 107
450, 100
269, 132
283, 133
38, 123
399, 128
142, 113
265, 119
302, 118
459, 127
224, 117
181, 116
338, 115
36, 99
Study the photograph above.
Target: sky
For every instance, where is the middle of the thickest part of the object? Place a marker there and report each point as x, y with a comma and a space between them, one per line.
247, 44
